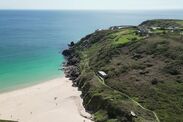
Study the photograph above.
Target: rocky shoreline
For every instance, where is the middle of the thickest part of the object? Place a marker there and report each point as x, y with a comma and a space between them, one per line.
70, 67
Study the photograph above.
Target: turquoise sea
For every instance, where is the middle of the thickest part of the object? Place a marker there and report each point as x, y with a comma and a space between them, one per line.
30, 41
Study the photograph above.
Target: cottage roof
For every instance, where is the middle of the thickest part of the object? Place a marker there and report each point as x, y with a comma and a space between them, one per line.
102, 73
133, 113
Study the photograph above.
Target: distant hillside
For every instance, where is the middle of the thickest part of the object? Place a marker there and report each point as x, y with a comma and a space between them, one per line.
163, 23
144, 72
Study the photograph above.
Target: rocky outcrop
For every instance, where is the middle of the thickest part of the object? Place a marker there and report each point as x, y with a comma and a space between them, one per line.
72, 72
71, 69
67, 52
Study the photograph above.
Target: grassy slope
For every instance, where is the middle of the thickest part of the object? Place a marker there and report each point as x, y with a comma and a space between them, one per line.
148, 70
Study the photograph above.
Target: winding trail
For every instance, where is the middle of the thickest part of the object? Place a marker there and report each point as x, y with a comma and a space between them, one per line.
102, 81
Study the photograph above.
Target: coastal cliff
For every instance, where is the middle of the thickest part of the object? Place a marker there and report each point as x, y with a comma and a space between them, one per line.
143, 63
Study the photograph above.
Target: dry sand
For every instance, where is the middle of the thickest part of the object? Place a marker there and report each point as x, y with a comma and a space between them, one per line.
51, 101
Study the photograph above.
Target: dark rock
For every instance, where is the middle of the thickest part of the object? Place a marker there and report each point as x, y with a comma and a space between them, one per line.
137, 56
72, 72
172, 69
154, 81
143, 72
71, 44
73, 60
149, 64
67, 52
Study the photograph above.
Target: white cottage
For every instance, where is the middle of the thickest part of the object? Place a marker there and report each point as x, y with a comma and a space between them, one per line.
102, 74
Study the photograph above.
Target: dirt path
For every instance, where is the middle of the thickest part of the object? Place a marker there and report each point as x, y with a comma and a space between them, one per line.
103, 83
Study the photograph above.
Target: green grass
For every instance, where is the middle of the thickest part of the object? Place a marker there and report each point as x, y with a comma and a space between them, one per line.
126, 36
180, 22
158, 31
124, 31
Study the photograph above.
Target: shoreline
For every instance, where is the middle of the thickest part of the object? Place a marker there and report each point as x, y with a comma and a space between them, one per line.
29, 84
54, 100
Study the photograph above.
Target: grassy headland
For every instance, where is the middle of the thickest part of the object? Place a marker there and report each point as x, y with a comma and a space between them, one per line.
144, 68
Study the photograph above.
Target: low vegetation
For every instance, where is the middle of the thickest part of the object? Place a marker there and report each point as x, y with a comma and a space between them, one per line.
145, 73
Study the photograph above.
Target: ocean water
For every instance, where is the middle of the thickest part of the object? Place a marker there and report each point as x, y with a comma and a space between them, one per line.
30, 41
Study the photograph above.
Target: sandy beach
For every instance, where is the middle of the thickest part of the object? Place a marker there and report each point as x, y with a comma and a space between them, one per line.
51, 101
